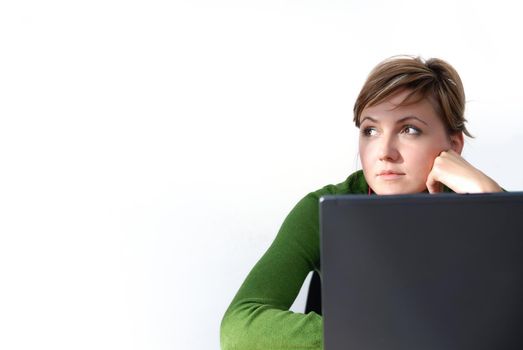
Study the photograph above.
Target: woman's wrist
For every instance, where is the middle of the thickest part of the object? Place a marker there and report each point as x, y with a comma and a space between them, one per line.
484, 183
490, 185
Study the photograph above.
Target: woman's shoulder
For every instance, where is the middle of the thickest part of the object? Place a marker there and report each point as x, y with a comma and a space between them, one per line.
354, 184
307, 207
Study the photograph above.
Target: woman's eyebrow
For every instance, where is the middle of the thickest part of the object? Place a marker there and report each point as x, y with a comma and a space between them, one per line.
411, 117
401, 120
369, 118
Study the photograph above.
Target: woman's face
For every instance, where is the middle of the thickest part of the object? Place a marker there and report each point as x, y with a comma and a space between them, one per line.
398, 145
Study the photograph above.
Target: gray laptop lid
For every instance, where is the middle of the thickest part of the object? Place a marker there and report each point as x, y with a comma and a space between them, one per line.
422, 271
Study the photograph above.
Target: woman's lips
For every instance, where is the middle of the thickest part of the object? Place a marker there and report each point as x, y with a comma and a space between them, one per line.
390, 175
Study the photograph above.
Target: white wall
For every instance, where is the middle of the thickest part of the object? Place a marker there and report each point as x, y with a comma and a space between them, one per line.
149, 150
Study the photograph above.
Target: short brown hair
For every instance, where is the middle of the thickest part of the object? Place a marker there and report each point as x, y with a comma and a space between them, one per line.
433, 78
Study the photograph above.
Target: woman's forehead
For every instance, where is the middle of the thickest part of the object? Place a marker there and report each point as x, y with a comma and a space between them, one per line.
400, 105
422, 109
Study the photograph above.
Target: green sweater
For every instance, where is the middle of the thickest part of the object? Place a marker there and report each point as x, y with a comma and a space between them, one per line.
259, 316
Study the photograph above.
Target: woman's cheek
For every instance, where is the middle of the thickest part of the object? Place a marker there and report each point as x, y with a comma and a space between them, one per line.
427, 164
363, 151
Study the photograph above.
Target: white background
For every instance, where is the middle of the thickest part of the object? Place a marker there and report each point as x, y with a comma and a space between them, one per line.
149, 150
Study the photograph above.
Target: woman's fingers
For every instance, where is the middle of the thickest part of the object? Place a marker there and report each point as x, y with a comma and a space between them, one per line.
433, 186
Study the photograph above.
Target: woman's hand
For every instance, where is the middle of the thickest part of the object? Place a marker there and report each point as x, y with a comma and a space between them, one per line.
456, 173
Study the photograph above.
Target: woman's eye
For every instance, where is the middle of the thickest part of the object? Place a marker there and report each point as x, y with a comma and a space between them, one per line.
411, 130
369, 132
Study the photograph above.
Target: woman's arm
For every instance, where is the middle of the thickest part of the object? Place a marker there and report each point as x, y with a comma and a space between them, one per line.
452, 170
259, 316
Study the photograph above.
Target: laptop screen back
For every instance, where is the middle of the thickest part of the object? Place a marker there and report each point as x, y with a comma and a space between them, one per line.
422, 271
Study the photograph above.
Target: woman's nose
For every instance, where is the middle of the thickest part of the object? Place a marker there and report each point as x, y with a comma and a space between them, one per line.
388, 149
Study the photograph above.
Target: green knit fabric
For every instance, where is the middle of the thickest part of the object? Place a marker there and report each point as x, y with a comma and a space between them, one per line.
259, 316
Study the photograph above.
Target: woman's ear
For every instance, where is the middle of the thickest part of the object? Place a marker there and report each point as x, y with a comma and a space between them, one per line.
456, 142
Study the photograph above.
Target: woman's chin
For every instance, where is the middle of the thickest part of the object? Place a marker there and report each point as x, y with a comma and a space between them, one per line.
392, 190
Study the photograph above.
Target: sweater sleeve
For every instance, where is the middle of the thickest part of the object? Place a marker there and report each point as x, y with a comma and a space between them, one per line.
259, 316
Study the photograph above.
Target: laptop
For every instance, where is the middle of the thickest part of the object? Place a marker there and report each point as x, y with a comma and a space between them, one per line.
423, 272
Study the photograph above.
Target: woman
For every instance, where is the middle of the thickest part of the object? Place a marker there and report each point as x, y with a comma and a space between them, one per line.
410, 114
